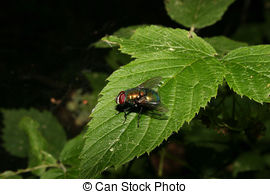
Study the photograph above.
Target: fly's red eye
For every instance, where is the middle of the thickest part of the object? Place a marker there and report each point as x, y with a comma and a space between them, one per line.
120, 99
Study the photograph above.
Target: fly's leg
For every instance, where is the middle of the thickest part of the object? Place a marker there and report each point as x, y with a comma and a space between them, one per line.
139, 116
126, 112
125, 116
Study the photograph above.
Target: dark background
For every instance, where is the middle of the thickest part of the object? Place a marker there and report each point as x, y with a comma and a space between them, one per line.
44, 47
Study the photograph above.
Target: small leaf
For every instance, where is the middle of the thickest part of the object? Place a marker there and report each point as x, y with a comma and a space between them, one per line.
38, 154
223, 44
71, 151
248, 161
16, 141
197, 13
53, 173
125, 32
191, 75
248, 72
115, 58
9, 175
57, 173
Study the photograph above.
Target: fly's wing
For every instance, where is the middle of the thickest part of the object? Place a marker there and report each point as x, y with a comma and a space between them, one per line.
161, 108
151, 83
157, 107
153, 105
157, 111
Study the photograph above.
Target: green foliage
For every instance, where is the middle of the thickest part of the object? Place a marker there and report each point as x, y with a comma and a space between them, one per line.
188, 67
69, 157
54, 173
248, 161
248, 72
38, 153
197, 13
15, 139
57, 173
115, 58
125, 32
191, 75
223, 44
229, 134
71, 151
9, 175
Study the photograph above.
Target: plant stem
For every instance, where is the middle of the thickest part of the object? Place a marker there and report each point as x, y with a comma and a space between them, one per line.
20, 171
233, 108
191, 31
161, 162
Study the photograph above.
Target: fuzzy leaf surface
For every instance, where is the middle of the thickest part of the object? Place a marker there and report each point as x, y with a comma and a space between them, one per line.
196, 13
248, 72
191, 75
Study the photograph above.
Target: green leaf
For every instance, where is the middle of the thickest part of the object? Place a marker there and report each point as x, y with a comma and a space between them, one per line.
71, 151
248, 72
191, 75
125, 32
223, 44
53, 173
38, 155
16, 141
248, 161
115, 58
198, 134
197, 13
57, 173
9, 175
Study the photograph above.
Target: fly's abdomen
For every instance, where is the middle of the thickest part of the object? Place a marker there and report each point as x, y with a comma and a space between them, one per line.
152, 96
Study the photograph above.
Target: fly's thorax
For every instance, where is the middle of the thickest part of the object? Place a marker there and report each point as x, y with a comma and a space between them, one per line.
133, 94
137, 93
